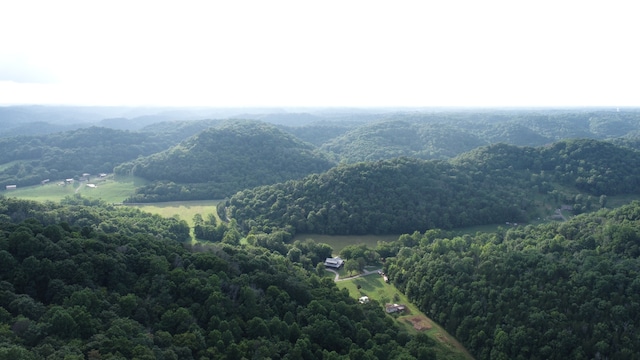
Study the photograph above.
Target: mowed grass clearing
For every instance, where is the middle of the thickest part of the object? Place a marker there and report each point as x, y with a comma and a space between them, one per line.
413, 320
184, 210
109, 189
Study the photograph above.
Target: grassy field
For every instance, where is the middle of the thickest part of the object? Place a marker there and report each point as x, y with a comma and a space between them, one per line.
115, 190
413, 320
185, 210
337, 242
110, 189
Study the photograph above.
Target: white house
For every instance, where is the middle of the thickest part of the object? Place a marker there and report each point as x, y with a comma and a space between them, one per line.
334, 262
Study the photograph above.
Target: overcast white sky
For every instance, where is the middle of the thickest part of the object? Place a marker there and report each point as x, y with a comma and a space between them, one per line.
320, 53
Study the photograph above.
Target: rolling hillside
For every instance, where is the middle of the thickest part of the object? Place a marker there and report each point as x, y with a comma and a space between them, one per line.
492, 184
222, 160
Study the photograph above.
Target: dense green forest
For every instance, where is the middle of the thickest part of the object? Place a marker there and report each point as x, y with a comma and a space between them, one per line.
493, 184
222, 160
86, 280
397, 138
83, 280
323, 138
567, 290
70, 154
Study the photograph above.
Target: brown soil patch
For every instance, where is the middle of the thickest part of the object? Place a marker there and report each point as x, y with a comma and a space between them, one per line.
420, 323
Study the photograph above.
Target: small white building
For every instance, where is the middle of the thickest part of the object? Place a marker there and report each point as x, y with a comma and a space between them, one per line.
335, 262
363, 299
11, 187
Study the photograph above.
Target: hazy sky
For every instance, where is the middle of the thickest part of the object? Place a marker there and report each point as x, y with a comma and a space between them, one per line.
320, 53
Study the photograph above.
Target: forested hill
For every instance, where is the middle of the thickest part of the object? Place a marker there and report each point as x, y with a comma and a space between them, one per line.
31, 159
175, 132
395, 138
96, 282
222, 160
493, 184
562, 290
590, 166
445, 134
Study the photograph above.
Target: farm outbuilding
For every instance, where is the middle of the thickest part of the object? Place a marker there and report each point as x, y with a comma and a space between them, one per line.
394, 308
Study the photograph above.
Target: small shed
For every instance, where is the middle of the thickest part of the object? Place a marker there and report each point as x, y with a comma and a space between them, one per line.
11, 187
394, 308
363, 299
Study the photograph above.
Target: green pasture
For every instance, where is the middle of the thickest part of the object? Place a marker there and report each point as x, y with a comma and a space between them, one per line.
184, 210
109, 189
47, 192
376, 289
337, 242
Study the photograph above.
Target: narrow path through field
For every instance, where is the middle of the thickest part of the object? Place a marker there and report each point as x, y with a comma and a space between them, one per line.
365, 273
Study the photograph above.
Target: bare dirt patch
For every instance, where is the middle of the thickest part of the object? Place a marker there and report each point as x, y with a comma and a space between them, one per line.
420, 323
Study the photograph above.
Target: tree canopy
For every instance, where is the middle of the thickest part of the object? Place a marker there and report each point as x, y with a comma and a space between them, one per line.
93, 281
492, 184
223, 160
554, 291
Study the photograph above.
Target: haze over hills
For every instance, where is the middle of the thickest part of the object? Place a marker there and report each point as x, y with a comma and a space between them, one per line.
343, 135
533, 288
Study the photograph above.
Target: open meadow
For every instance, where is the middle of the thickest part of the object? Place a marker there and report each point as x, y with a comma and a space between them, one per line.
114, 190
109, 189
185, 210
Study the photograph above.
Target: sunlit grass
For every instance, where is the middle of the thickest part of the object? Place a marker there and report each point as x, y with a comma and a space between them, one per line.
110, 189
184, 210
